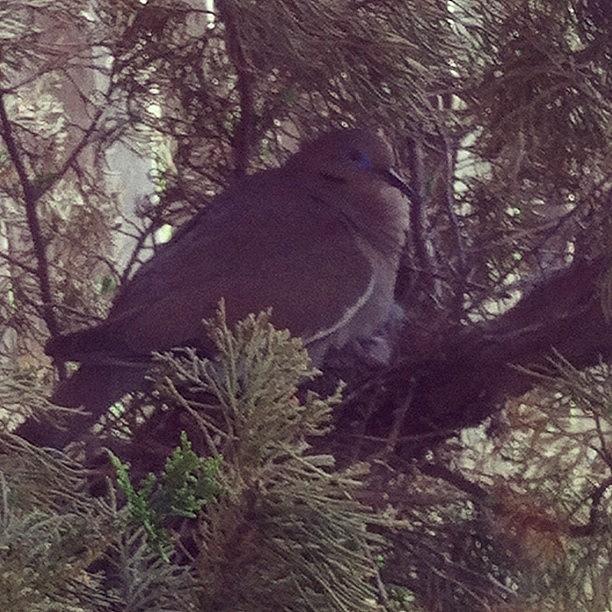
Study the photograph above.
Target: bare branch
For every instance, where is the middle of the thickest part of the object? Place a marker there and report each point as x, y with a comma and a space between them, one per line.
31, 196
244, 132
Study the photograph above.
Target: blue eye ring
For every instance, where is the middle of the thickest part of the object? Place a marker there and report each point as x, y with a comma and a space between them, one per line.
361, 159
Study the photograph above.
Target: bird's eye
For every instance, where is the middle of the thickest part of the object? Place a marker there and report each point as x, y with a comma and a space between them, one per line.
360, 158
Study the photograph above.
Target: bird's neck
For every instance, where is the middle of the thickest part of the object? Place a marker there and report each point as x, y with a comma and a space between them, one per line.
386, 237
377, 215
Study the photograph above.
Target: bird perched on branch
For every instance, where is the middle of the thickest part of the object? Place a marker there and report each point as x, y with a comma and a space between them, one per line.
318, 240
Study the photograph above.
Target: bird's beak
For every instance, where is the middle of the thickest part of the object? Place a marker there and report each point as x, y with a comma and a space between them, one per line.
395, 180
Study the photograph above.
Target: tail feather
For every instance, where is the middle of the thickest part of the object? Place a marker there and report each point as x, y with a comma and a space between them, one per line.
91, 341
93, 388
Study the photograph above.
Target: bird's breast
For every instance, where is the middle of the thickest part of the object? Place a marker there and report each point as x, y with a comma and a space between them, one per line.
375, 305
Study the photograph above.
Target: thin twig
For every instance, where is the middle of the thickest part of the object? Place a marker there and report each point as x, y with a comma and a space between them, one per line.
398, 420
15, 262
70, 160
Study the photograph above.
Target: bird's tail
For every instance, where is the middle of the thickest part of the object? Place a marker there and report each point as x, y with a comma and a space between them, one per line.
84, 344
98, 385
94, 388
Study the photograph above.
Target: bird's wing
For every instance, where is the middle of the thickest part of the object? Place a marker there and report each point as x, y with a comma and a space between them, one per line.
267, 248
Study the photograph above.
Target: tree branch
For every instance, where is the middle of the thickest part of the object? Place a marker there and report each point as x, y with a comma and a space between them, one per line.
31, 195
243, 135
460, 376
544, 523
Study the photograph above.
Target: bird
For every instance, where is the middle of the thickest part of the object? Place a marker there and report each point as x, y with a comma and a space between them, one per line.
318, 240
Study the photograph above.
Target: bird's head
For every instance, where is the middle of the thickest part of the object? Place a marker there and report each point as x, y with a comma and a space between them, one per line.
351, 157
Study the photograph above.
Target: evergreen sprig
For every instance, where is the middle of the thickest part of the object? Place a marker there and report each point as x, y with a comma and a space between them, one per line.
187, 483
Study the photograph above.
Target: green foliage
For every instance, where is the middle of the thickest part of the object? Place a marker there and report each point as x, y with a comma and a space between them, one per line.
188, 481
107, 284
500, 111
50, 531
278, 527
402, 600
186, 484
61, 549
289, 530
140, 580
